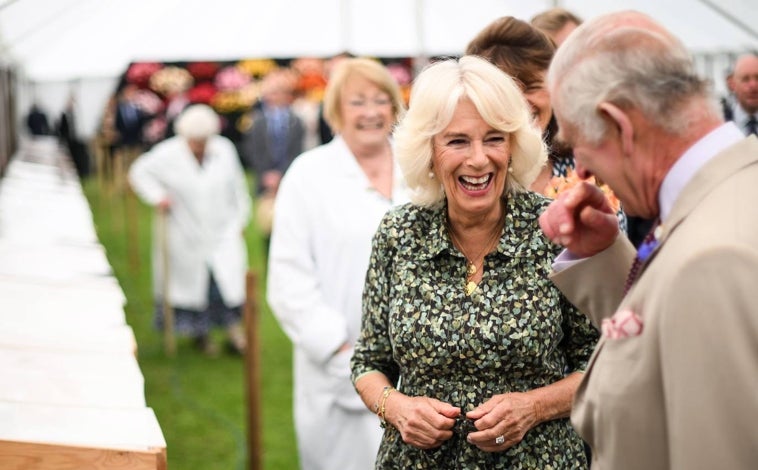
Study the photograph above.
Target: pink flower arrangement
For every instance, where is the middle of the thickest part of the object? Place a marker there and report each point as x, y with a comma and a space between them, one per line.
231, 78
400, 73
155, 130
148, 102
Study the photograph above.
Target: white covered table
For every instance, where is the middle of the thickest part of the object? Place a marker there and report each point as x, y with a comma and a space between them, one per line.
72, 393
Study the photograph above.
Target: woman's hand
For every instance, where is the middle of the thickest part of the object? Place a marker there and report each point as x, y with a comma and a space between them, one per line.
509, 415
423, 422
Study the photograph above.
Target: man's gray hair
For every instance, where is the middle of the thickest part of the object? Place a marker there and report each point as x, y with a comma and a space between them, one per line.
627, 59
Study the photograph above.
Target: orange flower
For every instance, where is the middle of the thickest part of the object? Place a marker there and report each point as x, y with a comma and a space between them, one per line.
558, 184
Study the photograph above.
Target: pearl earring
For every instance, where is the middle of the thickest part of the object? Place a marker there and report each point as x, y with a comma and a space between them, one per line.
431, 175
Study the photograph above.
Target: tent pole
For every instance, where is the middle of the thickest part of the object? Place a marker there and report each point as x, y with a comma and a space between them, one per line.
730, 18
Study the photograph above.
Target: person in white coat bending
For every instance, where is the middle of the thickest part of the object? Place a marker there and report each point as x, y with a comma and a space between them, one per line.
327, 210
197, 179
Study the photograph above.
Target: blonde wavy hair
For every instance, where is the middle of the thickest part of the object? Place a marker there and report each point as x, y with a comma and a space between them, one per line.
370, 69
435, 95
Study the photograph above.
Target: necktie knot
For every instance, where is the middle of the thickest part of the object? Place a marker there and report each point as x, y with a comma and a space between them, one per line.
646, 248
751, 127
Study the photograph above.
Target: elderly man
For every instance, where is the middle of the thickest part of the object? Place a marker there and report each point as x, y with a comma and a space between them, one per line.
744, 86
672, 383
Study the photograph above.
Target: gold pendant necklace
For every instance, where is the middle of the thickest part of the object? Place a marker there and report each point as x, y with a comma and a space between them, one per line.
470, 271
470, 285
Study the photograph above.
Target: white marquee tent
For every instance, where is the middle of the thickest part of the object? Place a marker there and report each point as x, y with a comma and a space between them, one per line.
60, 46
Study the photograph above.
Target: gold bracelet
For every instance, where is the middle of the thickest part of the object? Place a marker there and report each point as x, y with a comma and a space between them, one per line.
386, 391
379, 398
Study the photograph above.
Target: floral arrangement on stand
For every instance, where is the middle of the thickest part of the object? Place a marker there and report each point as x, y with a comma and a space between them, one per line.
171, 80
402, 74
236, 90
311, 77
558, 184
139, 73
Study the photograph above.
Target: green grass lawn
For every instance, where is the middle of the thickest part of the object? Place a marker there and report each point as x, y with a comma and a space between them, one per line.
200, 402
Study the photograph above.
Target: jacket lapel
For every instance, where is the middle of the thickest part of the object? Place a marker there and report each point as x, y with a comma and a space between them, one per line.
712, 174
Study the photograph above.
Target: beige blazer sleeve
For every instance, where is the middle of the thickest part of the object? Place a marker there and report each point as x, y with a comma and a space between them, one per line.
596, 285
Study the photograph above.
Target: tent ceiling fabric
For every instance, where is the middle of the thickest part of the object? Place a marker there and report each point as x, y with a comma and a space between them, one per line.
56, 40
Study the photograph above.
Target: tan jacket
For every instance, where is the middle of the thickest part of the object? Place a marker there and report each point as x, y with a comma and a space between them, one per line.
683, 393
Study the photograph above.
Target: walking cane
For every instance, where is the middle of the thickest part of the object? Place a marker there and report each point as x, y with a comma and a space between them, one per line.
169, 342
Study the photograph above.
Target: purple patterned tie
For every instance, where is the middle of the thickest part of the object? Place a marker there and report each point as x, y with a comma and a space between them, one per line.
648, 245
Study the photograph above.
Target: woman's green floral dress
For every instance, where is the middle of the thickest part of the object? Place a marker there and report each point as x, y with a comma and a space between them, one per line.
516, 332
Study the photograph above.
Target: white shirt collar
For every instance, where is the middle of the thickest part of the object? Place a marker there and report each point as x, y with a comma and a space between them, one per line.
691, 161
741, 117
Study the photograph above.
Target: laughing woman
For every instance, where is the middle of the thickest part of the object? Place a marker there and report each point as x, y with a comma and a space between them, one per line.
468, 353
328, 207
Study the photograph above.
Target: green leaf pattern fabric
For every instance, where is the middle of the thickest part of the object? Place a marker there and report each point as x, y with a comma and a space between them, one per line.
516, 332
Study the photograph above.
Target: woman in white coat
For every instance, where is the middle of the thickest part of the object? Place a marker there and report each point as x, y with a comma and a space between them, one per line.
196, 178
327, 209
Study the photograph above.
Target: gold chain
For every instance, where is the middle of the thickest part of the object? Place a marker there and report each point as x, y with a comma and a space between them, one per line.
470, 285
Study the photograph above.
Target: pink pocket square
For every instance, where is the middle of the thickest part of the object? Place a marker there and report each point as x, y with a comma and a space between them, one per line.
623, 324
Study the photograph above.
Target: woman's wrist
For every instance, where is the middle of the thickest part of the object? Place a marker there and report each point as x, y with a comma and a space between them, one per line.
380, 407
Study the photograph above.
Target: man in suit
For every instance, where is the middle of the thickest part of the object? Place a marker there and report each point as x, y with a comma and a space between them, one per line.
129, 121
673, 382
744, 86
276, 135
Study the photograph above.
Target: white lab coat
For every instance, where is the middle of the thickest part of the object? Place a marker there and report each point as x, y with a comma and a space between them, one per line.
325, 216
210, 207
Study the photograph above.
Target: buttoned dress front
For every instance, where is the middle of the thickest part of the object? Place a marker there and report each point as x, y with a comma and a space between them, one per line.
325, 216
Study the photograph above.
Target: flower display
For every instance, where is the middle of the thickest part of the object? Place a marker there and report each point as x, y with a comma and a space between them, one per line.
257, 67
171, 80
202, 93
308, 66
400, 73
231, 78
154, 130
231, 101
559, 184
308, 83
202, 70
148, 102
231, 88
250, 93
139, 73
311, 80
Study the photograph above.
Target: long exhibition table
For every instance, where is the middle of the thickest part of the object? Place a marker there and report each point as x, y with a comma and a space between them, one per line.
71, 393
